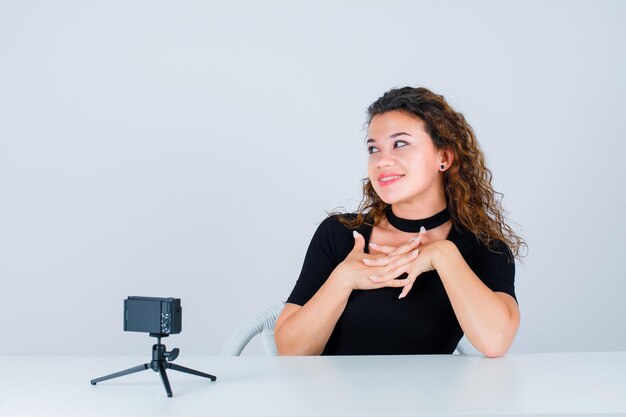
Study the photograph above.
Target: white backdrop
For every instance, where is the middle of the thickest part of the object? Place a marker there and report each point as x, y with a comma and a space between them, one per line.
190, 149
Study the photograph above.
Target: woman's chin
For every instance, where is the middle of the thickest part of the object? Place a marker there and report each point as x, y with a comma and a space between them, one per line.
389, 198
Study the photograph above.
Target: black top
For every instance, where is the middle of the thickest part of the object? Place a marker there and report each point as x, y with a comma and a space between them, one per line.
376, 322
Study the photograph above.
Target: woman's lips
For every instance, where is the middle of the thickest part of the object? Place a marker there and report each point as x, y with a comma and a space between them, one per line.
388, 179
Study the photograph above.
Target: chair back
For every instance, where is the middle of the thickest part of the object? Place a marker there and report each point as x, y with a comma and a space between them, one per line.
262, 323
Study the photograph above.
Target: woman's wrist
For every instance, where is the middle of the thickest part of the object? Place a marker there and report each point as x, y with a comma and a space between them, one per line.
444, 251
340, 284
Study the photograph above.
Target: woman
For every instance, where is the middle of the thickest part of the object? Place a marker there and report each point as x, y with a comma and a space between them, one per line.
427, 257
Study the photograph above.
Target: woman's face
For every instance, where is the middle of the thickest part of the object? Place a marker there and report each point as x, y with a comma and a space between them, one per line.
403, 164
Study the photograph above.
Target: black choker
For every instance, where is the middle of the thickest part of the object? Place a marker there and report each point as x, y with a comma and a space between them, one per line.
414, 226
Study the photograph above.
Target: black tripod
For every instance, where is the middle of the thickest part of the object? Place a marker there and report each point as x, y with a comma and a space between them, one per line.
158, 364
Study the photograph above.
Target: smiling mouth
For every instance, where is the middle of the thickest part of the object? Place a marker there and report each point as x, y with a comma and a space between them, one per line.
391, 178
388, 180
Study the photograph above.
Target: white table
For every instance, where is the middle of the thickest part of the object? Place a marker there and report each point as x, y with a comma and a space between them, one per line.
523, 384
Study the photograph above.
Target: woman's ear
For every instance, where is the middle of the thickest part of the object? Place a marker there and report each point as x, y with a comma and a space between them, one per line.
446, 157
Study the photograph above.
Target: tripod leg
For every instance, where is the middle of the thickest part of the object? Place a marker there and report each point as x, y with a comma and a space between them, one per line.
190, 371
166, 382
132, 370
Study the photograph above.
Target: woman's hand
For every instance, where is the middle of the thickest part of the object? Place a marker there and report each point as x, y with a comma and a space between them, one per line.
358, 267
417, 266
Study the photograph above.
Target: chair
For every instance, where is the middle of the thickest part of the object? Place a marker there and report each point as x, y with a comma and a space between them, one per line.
263, 323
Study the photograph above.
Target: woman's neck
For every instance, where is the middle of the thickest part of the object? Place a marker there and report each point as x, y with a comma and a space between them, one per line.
414, 211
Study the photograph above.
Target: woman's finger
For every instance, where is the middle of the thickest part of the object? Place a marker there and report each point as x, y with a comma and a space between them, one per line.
408, 246
388, 249
423, 234
396, 283
404, 260
383, 248
406, 288
391, 262
406, 264
388, 276
379, 260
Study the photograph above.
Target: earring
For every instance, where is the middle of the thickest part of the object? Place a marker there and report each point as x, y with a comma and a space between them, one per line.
442, 167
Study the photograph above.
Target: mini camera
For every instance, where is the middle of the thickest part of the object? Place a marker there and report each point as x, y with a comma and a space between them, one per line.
160, 317
153, 315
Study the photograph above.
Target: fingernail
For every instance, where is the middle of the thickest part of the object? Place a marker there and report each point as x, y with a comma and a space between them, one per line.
355, 233
400, 296
374, 278
373, 244
422, 229
416, 238
366, 261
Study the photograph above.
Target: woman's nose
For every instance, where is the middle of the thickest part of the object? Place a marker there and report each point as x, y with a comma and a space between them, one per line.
385, 159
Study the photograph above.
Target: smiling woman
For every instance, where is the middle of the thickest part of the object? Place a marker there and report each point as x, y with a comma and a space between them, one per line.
426, 258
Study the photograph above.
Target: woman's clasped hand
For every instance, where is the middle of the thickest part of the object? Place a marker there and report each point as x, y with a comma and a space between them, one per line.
372, 271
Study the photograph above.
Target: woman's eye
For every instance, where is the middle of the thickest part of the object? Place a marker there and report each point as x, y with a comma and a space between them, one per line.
372, 149
400, 144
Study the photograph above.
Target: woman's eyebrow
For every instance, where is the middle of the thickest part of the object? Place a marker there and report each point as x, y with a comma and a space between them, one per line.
393, 136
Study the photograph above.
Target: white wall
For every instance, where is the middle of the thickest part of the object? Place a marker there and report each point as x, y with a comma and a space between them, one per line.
190, 148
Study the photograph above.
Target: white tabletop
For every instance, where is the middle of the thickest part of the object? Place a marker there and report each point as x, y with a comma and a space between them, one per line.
522, 384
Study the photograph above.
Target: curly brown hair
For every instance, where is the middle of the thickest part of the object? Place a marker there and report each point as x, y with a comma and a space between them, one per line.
473, 203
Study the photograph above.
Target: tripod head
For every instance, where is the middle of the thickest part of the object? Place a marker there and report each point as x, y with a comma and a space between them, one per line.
159, 354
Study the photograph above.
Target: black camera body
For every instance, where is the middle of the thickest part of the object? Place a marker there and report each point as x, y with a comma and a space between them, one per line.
162, 316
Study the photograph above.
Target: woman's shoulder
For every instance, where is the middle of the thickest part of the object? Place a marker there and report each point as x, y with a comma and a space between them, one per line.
333, 236
470, 244
339, 223
492, 261
338, 227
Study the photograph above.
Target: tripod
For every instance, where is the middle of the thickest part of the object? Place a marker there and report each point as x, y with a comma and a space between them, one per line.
160, 360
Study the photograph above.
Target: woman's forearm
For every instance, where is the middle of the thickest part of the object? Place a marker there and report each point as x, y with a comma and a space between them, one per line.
306, 331
488, 321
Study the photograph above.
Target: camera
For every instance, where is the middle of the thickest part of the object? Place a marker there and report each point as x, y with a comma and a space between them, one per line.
153, 315
160, 317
